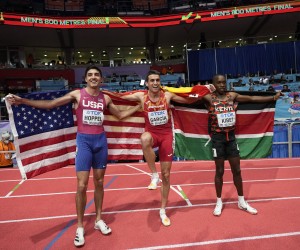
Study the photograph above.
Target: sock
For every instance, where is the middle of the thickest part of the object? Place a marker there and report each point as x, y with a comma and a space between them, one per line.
219, 200
242, 201
162, 211
155, 174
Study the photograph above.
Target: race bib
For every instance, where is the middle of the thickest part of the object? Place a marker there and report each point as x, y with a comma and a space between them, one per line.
92, 117
226, 119
158, 117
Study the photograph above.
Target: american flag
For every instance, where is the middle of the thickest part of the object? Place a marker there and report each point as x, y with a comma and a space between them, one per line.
45, 139
123, 136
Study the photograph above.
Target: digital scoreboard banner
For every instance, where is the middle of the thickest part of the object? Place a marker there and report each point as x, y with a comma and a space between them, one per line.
147, 21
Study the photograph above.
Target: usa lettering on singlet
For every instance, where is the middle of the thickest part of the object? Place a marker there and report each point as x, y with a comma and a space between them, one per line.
92, 116
158, 117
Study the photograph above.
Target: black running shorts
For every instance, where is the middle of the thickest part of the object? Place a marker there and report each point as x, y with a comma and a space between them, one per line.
224, 145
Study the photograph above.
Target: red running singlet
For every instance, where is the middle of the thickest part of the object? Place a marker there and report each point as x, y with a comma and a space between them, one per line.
157, 114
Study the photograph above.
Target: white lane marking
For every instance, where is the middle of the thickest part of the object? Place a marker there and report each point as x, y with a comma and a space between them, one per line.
210, 242
171, 187
139, 188
146, 209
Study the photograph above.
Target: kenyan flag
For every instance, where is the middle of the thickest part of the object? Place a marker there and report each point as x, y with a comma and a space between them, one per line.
254, 130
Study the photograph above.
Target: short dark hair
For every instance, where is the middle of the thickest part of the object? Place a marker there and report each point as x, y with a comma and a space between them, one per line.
215, 77
152, 72
92, 67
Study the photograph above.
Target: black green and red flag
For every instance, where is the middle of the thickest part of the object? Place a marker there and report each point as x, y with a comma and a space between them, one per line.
254, 130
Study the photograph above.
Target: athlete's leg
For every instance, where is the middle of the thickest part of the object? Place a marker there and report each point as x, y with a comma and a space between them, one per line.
165, 189
82, 183
99, 191
236, 172
219, 176
218, 148
238, 182
165, 176
149, 154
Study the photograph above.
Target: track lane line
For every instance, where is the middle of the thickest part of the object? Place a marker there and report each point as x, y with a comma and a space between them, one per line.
148, 209
133, 174
138, 188
71, 222
211, 242
171, 186
15, 188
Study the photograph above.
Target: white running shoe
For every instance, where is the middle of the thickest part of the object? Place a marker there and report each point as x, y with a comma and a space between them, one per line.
247, 208
101, 225
218, 209
154, 182
164, 218
79, 238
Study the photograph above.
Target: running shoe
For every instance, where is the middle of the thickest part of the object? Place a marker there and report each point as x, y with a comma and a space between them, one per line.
154, 182
218, 209
79, 238
164, 218
101, 225
247, 208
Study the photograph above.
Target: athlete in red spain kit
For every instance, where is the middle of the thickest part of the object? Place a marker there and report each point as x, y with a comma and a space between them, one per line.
90, 104
158, 133
222, 117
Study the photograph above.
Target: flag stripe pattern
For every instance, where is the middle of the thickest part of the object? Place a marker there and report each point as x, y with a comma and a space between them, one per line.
254, 131
123, 136
44, 139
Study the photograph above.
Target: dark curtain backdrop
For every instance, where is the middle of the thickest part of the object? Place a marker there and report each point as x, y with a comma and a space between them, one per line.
226, 63
280, 57
201, 61
251, 59
265, 58
297, 49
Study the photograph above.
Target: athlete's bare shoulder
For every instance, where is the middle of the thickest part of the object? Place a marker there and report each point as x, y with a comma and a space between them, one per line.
233, 95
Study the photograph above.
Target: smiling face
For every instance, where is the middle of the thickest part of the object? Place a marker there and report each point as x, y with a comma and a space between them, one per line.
153, 83
93, 78
219, 82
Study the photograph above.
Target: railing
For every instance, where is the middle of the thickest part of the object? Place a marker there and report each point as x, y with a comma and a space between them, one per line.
285, 142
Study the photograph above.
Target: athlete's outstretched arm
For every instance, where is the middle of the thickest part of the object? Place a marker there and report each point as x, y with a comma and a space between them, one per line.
248, 98
43, 104
120, 114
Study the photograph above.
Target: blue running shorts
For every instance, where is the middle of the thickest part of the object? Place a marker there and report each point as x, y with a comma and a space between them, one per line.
92, 151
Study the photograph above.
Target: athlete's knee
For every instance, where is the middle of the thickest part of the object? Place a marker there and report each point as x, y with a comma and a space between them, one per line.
146, 139
236, 172
98, 182
165, 175
82, 187
219, 172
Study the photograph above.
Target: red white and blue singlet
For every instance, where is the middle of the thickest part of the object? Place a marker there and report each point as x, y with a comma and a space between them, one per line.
91, 139
90, 113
